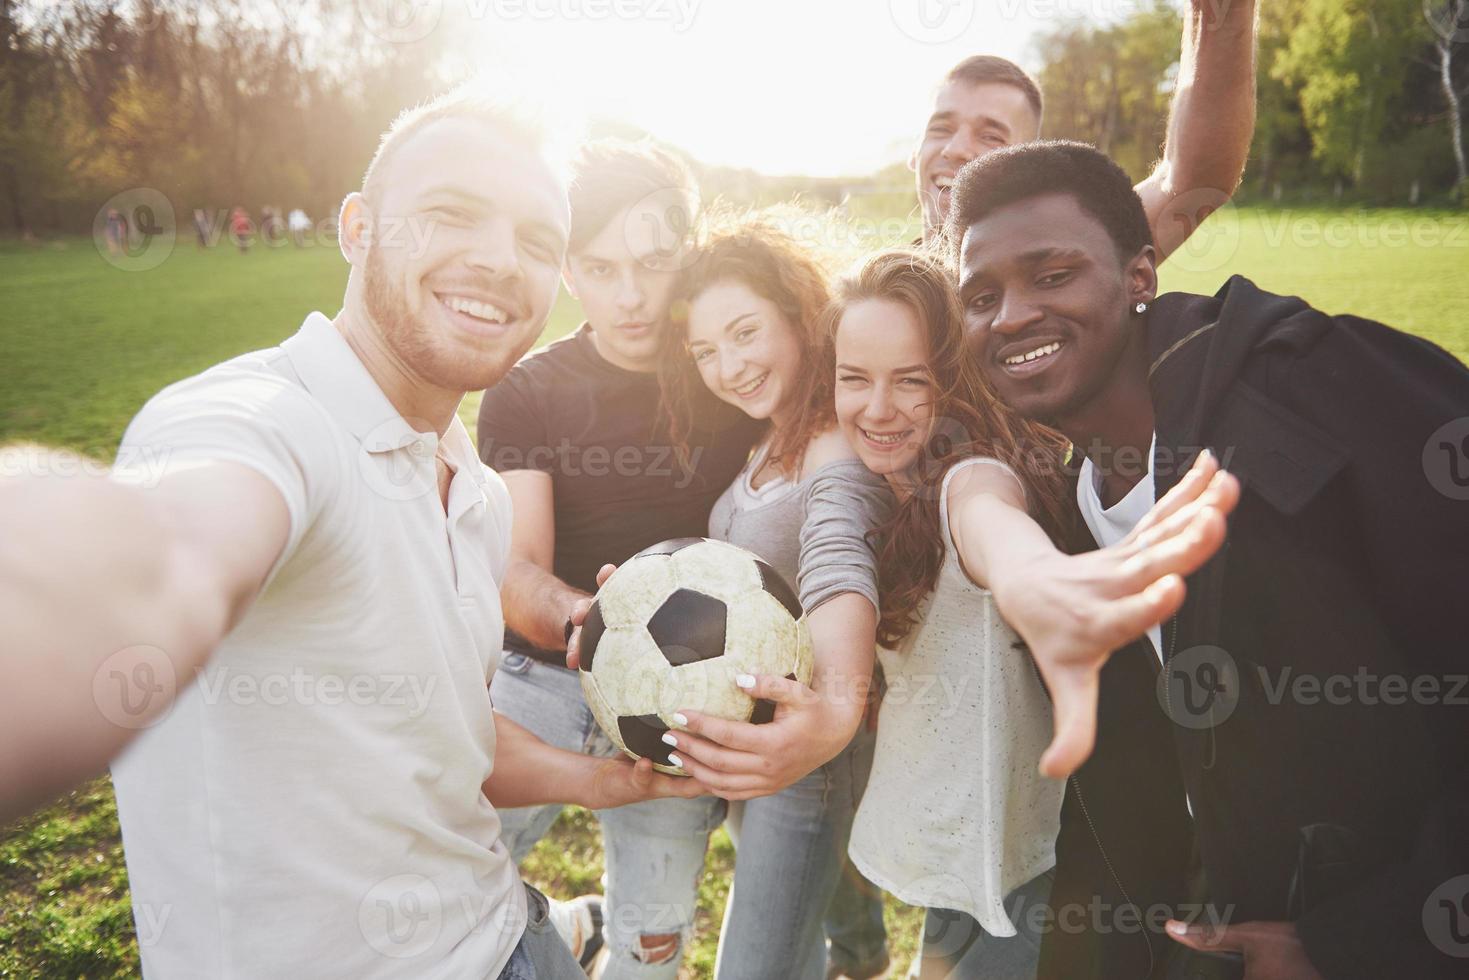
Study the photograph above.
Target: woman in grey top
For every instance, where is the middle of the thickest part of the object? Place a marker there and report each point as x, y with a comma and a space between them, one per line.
804, 503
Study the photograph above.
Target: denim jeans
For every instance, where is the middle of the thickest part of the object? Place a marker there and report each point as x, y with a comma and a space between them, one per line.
956, 947
857, 938
789, 852
654, 851
541, 953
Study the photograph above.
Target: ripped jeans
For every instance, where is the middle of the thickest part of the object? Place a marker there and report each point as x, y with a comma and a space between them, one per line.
654, 851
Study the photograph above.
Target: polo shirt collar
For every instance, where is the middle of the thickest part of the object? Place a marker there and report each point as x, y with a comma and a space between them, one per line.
337, 378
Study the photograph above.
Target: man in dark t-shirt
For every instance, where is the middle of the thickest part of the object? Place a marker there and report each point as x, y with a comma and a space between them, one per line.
592, 431
576, 432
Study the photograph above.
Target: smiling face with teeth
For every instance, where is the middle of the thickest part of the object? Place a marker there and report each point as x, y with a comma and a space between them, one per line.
1047, 309
884, 389
456, 264
746, 350
966, 121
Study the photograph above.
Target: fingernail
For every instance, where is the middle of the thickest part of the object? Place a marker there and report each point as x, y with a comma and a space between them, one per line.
668, 739
674, 760
1206, 454
746, 681
679, 719
1177, 928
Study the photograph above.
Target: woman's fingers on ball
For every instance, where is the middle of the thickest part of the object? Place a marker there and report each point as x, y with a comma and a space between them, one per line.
769, 687
730, 734
604, 573
715, 756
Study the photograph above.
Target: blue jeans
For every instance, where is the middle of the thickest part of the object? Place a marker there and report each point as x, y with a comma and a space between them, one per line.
789, 852
541, 954
654, 851
956, 947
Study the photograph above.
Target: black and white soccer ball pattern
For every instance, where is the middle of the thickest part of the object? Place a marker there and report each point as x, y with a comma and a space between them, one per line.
670, 630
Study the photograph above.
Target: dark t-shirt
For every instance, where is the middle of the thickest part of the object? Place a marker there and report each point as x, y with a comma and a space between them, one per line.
617, 482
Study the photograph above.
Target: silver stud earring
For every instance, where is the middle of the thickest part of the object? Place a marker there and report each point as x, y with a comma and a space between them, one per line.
1140, 309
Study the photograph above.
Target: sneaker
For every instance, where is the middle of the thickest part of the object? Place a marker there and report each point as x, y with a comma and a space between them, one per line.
586, 914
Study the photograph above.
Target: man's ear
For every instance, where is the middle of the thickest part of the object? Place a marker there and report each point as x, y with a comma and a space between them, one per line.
354, 228
913, 158
567, 278
1142, 276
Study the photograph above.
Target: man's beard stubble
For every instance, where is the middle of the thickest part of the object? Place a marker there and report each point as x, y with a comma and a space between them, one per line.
411, 339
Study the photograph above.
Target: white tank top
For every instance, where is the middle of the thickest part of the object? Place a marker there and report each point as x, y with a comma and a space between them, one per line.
956, 814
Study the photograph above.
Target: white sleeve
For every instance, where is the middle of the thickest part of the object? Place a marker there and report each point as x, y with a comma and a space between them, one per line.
232, 416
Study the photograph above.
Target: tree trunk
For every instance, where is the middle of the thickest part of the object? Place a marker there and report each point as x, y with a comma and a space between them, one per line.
1446, 77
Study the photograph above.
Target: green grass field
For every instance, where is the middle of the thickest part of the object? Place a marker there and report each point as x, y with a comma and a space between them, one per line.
86, 344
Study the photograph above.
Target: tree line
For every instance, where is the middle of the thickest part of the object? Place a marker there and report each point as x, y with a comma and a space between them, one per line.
279, 102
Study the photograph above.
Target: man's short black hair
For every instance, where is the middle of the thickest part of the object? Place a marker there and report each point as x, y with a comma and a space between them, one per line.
1029, 170
982, 69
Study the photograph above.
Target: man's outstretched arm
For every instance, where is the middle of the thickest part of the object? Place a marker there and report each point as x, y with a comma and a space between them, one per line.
1210, 123
536, 602
113, 596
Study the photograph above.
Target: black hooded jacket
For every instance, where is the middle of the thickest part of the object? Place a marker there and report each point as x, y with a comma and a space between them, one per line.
1331, 785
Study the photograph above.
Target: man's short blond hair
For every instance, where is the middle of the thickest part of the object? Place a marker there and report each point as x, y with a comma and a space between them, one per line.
524, 121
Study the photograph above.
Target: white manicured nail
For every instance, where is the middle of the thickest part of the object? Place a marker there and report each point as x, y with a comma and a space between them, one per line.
679, 719
668, 739
674, 760
746, 681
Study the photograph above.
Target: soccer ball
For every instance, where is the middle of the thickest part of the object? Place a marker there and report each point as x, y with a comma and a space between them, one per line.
672, 627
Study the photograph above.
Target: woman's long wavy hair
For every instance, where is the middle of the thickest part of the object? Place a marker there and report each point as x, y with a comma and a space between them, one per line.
752, 249
968, 420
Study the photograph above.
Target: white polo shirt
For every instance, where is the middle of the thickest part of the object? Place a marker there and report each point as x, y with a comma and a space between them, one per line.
312, 803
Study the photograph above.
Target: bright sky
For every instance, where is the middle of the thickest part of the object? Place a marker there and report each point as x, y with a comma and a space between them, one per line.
781, 86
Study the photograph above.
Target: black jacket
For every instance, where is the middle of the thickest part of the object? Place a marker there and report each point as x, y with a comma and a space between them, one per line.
1346, 566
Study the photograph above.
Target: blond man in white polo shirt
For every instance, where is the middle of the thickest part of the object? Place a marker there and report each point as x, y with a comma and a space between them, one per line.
310, 530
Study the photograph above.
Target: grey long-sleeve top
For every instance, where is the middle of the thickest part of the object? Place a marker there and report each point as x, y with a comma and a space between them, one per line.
812, 532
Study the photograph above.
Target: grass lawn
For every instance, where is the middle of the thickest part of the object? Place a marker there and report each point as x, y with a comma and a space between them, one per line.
86, 344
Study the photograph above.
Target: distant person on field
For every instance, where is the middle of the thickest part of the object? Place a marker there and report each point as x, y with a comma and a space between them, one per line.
202, 227
116, 232
300, 225
241, 230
